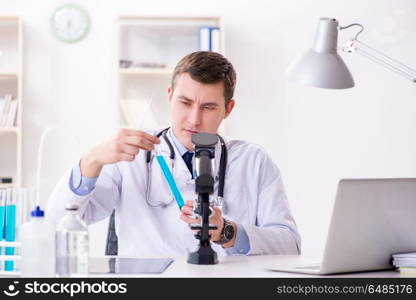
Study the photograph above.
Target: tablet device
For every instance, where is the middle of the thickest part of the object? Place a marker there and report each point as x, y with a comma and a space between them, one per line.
120, 265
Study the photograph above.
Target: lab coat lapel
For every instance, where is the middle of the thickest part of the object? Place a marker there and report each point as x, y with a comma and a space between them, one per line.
217, 160
181, 172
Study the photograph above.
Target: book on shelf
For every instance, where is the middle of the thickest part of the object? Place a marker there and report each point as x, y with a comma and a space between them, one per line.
8, 111
407, 271
4, 109
11, 118
209, 39
404, 259
215, 40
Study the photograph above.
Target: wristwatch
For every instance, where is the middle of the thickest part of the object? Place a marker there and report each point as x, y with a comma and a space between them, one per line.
227, 233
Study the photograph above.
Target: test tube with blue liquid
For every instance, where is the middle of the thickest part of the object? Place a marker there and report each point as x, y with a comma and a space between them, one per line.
2, 215
10, 227
160, 157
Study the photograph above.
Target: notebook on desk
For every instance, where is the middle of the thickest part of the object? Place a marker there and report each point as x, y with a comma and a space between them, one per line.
371, 220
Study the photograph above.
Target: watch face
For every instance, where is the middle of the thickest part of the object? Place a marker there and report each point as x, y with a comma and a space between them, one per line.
70, 23
228, 231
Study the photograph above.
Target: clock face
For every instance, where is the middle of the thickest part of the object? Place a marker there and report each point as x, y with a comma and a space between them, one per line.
70, 23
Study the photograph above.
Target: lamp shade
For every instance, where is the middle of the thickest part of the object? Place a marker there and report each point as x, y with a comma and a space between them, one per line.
321, 66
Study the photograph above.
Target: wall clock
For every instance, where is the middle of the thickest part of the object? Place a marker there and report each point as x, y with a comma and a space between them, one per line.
70, 23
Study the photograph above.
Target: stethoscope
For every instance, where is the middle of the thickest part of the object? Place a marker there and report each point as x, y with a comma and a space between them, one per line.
221, 178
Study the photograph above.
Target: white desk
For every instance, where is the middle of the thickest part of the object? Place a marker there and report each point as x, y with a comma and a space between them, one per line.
242, 266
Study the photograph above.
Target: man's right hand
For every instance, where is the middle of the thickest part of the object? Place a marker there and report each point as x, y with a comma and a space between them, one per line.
124, 146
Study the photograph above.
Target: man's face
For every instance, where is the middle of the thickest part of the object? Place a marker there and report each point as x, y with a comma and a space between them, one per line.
196, 107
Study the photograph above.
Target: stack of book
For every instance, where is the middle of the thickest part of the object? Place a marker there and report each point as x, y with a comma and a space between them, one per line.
8, 111
406, 263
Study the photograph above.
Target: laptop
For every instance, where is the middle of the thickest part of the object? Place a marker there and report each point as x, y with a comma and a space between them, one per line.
371, 220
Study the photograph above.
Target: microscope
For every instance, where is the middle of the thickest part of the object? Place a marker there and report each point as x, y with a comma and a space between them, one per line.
204, 187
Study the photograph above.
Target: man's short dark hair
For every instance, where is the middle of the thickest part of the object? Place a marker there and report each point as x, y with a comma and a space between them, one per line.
207, 67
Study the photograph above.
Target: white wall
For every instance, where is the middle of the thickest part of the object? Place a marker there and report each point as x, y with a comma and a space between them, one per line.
316, 136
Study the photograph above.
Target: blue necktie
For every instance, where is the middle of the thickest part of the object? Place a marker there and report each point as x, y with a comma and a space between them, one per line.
187, 157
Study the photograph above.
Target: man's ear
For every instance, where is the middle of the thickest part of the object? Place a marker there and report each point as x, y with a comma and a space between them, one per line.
229, 108
170, 94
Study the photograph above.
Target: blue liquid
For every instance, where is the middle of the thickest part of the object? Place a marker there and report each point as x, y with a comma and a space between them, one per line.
10, 234
171, 181
1, 225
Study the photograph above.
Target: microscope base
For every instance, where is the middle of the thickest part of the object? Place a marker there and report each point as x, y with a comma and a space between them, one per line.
204, 256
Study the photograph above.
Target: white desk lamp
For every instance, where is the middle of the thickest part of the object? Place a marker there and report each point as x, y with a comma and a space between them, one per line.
322, 67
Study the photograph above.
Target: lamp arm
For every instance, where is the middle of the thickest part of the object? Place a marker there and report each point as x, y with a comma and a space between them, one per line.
359, 47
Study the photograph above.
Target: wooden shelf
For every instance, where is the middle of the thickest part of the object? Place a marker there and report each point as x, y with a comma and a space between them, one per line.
169, 17
13, 19
9, 129
7, 185
158, 39
146, 71
8, 75
11, 39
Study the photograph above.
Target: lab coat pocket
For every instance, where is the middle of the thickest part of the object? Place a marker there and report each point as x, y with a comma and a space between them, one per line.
236, 205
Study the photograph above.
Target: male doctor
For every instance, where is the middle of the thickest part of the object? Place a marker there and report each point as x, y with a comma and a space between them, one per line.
115, 175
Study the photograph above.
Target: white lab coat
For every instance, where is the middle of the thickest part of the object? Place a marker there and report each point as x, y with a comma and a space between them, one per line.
254, 197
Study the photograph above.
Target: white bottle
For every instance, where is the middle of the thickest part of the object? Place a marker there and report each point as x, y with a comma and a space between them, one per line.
37, 246
72, 249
